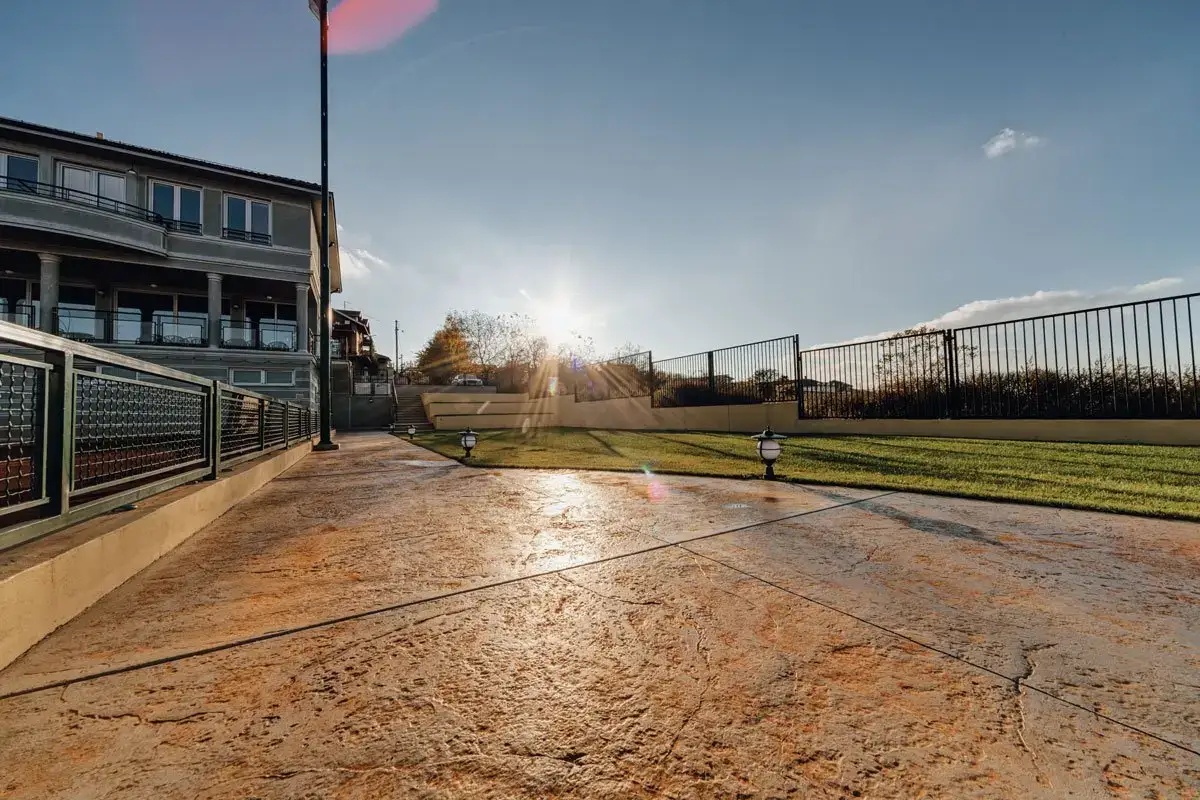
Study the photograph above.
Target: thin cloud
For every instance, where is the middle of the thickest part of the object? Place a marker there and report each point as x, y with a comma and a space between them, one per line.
1008, 141
1008, 309
358, 263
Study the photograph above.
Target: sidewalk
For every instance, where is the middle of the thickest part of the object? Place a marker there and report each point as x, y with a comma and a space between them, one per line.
534, 634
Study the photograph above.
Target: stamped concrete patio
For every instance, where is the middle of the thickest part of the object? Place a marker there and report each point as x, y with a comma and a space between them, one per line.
381, 622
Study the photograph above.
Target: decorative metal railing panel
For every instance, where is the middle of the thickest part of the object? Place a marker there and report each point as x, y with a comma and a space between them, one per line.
78, 440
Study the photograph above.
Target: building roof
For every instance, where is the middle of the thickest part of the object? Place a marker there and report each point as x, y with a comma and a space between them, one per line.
96, 141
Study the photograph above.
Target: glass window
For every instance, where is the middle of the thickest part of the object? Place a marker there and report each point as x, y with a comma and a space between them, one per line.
193, 304
19, 172
163, 200
180, 204
235, 213
246, 377
77, 184
260, 217
278, 377
189, 205
111, 189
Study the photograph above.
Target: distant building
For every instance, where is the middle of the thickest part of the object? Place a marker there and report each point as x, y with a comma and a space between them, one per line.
198, 266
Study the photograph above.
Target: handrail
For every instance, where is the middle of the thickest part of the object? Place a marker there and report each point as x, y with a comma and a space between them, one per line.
80, 442
80, 198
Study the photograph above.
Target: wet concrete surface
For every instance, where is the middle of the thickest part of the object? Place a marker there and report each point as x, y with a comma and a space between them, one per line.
555, 643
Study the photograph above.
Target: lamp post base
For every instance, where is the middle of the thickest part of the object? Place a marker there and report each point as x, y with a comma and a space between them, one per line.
770, 476
323, 447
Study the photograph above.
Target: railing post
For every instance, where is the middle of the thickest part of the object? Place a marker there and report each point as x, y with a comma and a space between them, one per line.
650, 360
712, 374
799, 377
214, 424
287, 428
58, 452
262, 425
951, 357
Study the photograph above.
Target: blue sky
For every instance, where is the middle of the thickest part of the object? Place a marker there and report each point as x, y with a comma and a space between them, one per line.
683, 174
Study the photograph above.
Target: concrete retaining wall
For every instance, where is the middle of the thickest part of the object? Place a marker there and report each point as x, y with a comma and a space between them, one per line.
46, 583
636, 414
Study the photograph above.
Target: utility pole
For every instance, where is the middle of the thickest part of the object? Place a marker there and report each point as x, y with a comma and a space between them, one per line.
397, 365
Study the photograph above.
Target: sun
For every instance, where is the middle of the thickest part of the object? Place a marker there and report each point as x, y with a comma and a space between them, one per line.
556, 319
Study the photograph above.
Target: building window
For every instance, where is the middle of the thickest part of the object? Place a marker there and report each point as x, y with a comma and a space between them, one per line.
275, 323
18, 173
262, 377
178, 205
247, 220
91, 187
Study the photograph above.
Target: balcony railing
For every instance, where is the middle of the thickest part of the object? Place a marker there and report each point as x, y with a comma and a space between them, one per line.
76, 197
263, 335
239, 235
23, 315
131, 327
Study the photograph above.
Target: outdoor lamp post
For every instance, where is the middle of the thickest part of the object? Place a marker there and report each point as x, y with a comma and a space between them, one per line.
769, 449
468, 438
412, 431
320, 10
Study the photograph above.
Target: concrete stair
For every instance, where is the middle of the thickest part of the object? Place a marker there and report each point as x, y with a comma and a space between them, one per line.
410, 411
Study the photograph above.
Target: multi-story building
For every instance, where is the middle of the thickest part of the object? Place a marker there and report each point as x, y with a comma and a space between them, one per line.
194, 265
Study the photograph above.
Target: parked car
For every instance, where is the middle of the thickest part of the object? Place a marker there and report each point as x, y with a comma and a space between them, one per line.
466, 380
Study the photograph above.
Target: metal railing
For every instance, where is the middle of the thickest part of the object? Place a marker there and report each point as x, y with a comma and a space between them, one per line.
1131, 360
78, 441
263, 335
762, 372
24, 315
1126, 361
131, 327
80, 198
902, 377
626, 376
239, 235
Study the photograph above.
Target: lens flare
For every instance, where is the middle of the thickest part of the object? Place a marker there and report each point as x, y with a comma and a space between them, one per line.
656, 490
360, 26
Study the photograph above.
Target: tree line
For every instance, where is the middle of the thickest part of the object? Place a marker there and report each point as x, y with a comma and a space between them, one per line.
505, 349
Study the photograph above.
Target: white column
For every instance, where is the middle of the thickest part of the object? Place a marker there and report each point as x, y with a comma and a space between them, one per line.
302, 317
49, 289
214, 309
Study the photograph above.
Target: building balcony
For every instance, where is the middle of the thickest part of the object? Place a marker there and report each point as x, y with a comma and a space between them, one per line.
44, 207
131, 327
279, 336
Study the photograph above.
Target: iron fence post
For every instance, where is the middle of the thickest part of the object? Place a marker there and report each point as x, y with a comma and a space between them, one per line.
262, 425
287, 428
214, 424
650, 370
712, 374
58, 452
951, 356
799, 377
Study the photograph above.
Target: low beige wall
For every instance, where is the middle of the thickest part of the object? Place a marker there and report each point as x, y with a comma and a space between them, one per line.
457, 422
471, 397
525, 407
1100, 431
40, 594
636, 414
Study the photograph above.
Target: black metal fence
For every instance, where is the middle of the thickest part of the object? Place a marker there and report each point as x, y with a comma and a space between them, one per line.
899, 377
78, 441
1132, 360
762, 372
626, 376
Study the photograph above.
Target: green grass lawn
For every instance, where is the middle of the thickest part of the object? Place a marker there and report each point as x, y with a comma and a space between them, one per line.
1134, 479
